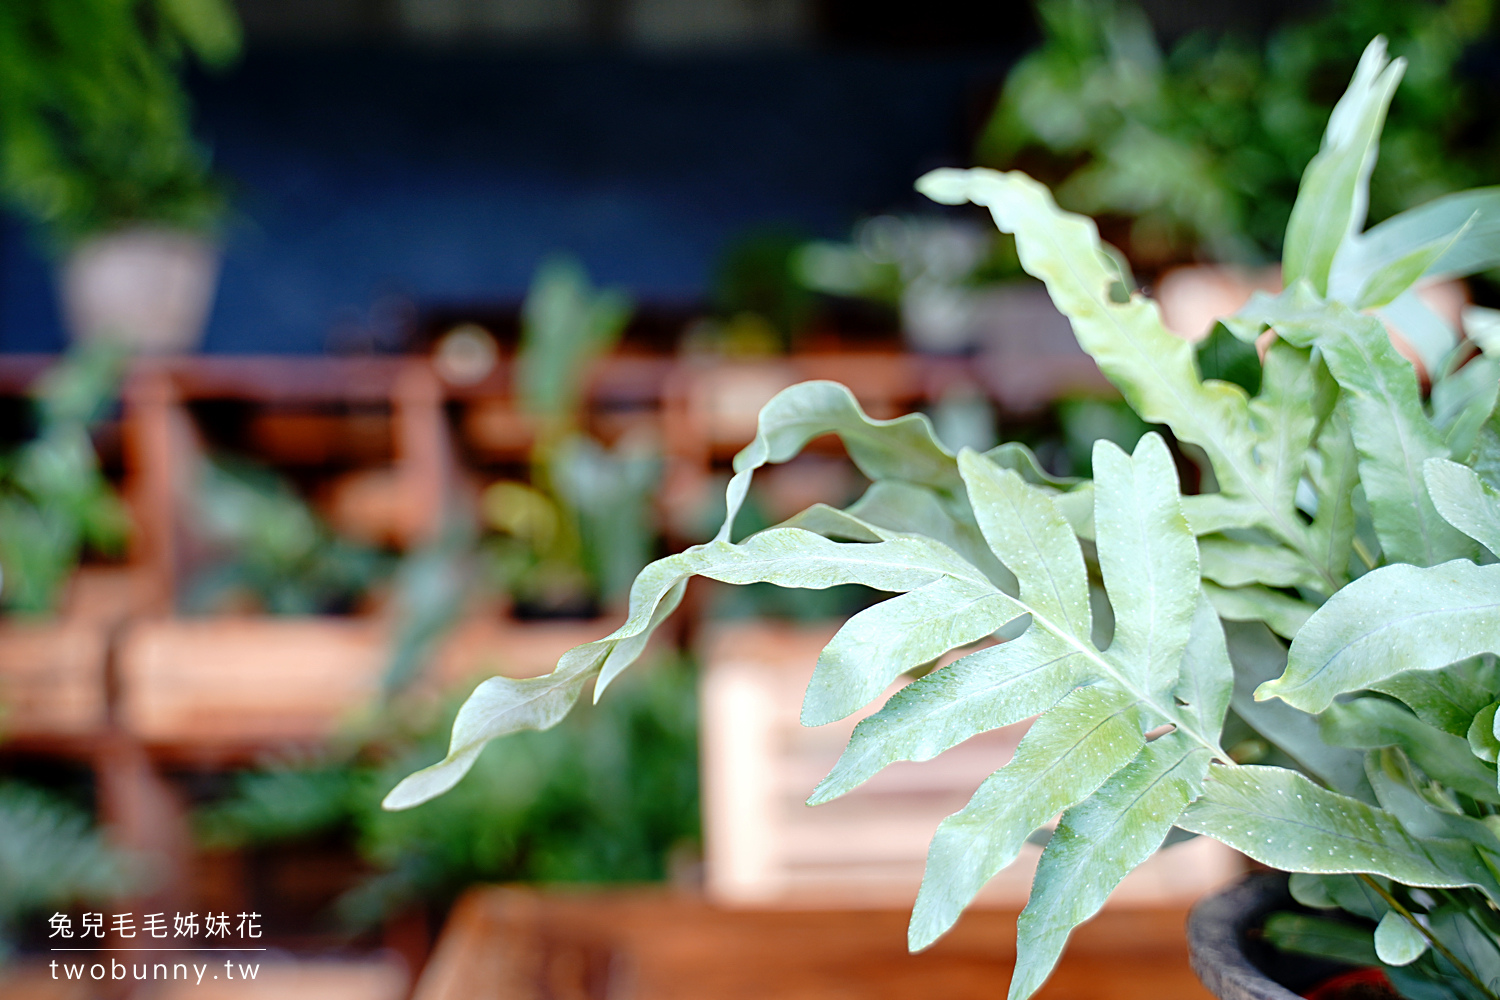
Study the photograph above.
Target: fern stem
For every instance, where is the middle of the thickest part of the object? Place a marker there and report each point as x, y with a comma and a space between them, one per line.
1171, 717
1365, 556
1437, 945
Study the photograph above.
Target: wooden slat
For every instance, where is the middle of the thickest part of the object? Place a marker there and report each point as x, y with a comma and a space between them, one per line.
237, 682
52, 678
765, 847
660, 945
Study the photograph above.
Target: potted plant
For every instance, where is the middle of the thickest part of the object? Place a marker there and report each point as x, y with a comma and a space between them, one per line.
570, 540
96, 147
56, 508
1145, 629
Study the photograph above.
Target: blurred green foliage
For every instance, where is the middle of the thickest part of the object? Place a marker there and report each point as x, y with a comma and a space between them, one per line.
583, 526
605, 797
565, 325
271, 547
94, 123
1201, 148
756, 293
50, 856
55, 503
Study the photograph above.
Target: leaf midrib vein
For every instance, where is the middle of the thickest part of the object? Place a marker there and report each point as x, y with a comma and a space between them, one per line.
1285, 529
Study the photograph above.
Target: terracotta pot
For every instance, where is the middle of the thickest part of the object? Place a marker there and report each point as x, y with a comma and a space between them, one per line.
1235, 964
147, 288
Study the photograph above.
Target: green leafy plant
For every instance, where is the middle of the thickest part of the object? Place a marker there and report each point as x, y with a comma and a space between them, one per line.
94, 124
605, 798
272, 548
50, 856
1146, 630
55, 503
581, 529
1200, 148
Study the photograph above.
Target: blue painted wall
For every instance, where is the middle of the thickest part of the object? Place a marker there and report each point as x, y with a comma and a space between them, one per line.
439, 179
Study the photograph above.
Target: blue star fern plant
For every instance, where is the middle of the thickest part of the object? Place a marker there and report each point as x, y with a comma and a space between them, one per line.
1344, 512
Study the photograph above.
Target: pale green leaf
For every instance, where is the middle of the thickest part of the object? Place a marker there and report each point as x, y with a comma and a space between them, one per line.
1393, 277
1148, 557
1007, 683
1258, 656
1168, 653
1470, 387
1322, 937
1422, 808
789, 557
1372, 723
1476, 249
1472, 944
1447, 698
1243, 564
1485, 458
1483, 740
904, 448
1346, 892
830, 522
1155, 370
1335, 480
1066, 755
1032, 539
1431, 336
1390, 429
1465, 501
1292, 380
882, 642
1208, 513
1022, 460
1284, 614
945, 516
632, 643
1097, 844
1331, 200
1207, 675
1393, 436
1281, 819
985, 690
497, 707
1397, 618
1483, 328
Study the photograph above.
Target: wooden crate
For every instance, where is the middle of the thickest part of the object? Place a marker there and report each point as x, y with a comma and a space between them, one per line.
764, 846
238, 681
245, 679
510, 944
52, 678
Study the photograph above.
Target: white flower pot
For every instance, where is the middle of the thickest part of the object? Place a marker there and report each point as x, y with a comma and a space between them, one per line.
147, 288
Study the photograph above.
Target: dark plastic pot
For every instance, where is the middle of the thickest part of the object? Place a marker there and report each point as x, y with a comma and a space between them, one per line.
1228, 955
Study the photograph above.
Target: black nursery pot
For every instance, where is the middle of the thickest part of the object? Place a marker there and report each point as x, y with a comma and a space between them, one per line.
1227, 953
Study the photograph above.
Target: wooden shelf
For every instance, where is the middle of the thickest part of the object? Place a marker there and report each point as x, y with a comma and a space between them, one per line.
514, 944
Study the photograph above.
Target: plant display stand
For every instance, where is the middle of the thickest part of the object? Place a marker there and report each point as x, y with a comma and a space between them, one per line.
251, 682
513, 944
765, 847
123, 682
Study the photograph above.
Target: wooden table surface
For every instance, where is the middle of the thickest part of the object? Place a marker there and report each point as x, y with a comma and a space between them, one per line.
518, 944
